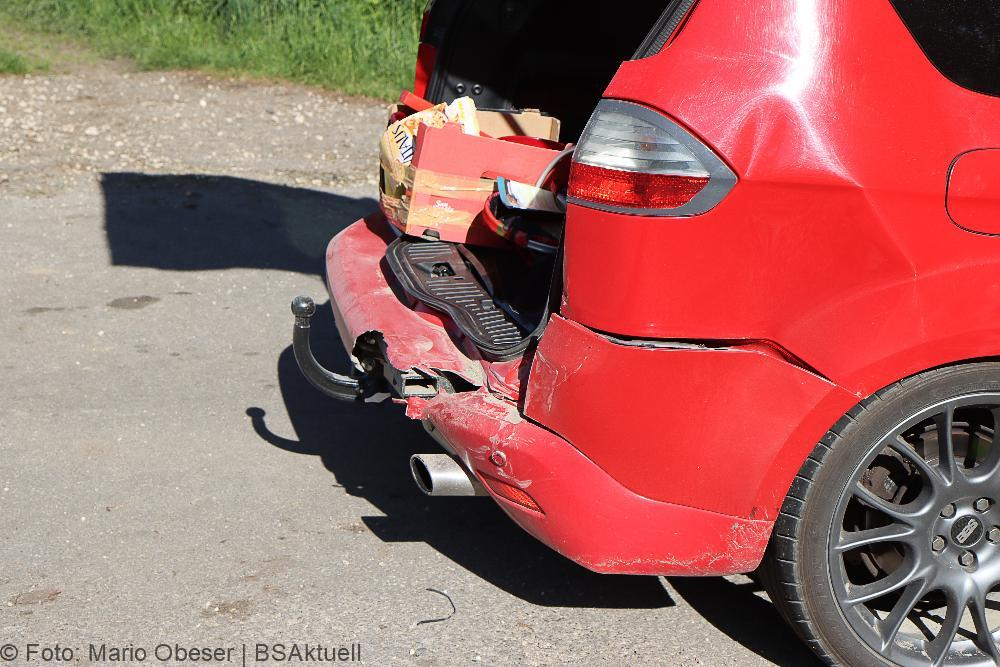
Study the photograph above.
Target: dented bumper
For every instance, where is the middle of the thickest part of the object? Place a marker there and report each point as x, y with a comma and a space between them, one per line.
678, 471
585, 514
375, 323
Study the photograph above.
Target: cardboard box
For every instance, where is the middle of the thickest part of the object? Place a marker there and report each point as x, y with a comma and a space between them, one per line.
527, 123
441, 193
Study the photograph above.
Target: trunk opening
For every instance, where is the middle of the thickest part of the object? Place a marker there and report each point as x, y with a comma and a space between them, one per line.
534, 54
518, 54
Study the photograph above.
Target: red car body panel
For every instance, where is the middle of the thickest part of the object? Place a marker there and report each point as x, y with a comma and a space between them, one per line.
696, 361
835, 243
682, 425
588, 515
426, 57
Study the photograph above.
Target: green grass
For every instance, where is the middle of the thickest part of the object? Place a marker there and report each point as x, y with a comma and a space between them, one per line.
11, 63
19, 62
365, 47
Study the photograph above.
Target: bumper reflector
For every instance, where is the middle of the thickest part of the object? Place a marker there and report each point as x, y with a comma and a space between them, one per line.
511, 493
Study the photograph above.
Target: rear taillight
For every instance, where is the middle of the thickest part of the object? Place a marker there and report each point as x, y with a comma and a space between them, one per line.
634, 160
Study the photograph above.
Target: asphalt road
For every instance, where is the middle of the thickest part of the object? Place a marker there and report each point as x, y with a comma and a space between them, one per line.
166, 475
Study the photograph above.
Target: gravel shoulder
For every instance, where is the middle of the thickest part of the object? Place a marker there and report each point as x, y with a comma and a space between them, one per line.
165, 473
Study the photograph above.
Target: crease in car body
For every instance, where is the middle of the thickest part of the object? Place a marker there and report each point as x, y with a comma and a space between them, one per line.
748, 275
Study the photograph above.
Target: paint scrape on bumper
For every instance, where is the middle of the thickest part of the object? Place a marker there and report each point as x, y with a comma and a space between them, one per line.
585, 514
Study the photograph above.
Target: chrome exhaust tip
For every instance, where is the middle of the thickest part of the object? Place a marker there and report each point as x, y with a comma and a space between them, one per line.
444, 475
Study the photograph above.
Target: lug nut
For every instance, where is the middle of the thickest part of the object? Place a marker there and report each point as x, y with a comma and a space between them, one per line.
966, 559
982, 504
994, 535
937, 544
948, 511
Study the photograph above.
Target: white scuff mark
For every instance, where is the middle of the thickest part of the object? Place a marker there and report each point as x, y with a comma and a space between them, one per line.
557, 377
746, 542
511, 415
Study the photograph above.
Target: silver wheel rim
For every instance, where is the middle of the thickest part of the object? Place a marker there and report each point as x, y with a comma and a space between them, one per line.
914, 549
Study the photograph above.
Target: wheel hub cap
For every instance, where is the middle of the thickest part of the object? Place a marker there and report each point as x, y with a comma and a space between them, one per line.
967, 531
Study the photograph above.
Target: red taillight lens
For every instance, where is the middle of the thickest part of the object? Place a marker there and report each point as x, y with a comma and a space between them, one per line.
632, 188
631, 159
511, 493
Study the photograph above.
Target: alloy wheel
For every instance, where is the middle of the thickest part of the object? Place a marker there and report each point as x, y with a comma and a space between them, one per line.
915, 545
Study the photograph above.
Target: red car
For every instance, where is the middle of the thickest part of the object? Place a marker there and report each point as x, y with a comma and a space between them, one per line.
769, 339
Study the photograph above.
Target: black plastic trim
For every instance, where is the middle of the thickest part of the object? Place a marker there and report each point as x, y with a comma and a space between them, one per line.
459, 292
664, 27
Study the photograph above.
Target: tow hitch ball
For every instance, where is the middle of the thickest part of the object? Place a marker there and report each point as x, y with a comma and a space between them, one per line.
332, 384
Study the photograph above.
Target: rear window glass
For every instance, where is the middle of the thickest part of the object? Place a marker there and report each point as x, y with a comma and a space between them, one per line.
961, 38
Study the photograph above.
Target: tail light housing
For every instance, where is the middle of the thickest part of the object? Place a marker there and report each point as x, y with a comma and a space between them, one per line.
633, 160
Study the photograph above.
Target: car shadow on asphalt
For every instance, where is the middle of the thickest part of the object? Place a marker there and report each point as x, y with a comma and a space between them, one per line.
200, 223
368, 447
737, 610
195, 223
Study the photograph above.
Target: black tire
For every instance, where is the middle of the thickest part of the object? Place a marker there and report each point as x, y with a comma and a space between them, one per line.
797, 570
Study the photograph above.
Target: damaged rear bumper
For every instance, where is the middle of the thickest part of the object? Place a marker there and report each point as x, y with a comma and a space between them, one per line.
541, 480
584, 513
410, 342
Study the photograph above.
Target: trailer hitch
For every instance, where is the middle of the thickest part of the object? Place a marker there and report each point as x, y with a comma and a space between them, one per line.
332, 384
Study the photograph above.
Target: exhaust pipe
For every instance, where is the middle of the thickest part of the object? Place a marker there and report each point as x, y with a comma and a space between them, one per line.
443, 475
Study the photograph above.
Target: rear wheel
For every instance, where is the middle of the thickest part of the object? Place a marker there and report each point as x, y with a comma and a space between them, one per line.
887, 547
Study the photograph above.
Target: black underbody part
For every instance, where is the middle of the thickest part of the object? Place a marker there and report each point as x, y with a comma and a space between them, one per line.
497, 318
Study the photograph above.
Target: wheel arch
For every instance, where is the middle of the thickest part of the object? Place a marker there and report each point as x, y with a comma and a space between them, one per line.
777, 484
789, 568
